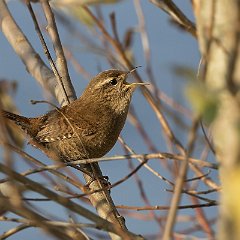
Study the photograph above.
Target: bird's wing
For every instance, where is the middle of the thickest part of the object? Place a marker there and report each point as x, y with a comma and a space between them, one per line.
57, 128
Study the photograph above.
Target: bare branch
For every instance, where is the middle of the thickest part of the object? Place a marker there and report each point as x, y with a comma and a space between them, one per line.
36, 187
60, 57
46, 51
170, 8
179, 184
167, 207
34, 64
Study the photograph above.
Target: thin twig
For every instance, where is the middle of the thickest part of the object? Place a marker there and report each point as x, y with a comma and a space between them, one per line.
46, 51
14, 230
140, 157
119, 49
51, 169
61, 62
133, 118
202, 220
140, 185
34, 64
198, 177
193, 195
36, 187
179, 184
130, 174
163, 155
178, 16
167, 207
207, 139
204, 192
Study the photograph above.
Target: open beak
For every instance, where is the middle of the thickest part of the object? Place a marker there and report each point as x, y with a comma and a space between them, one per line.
138, 84
135, 83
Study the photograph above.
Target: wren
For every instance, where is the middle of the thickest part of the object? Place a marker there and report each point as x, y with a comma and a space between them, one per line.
87, 127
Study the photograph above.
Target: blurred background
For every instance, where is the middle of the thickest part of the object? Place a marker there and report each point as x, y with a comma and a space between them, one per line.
174, 61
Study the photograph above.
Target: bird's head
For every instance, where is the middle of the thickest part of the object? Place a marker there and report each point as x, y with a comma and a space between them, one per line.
110, 87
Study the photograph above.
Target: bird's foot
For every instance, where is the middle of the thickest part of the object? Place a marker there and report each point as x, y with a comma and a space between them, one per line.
102, 180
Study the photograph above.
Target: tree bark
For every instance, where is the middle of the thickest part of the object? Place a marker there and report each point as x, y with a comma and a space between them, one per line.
218, 25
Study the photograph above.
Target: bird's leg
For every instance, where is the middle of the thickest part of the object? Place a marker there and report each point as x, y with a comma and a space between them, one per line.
103, 179
82, 169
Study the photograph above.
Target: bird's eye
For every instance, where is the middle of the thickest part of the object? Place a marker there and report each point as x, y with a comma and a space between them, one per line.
113, 81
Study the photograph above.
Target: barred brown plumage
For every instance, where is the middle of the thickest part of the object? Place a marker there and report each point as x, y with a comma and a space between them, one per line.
89, 126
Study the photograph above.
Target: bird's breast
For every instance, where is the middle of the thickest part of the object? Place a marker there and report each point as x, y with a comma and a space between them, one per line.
106, 136
92, 137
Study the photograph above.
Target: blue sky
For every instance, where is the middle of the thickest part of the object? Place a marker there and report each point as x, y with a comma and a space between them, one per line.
170, 47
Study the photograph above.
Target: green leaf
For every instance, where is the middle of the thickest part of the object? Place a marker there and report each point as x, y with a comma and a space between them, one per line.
203, 100
74, 8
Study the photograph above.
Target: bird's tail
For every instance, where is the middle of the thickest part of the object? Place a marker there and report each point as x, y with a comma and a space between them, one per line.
23, 122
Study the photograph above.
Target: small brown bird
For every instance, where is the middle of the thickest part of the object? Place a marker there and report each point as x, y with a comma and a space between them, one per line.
89, 126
